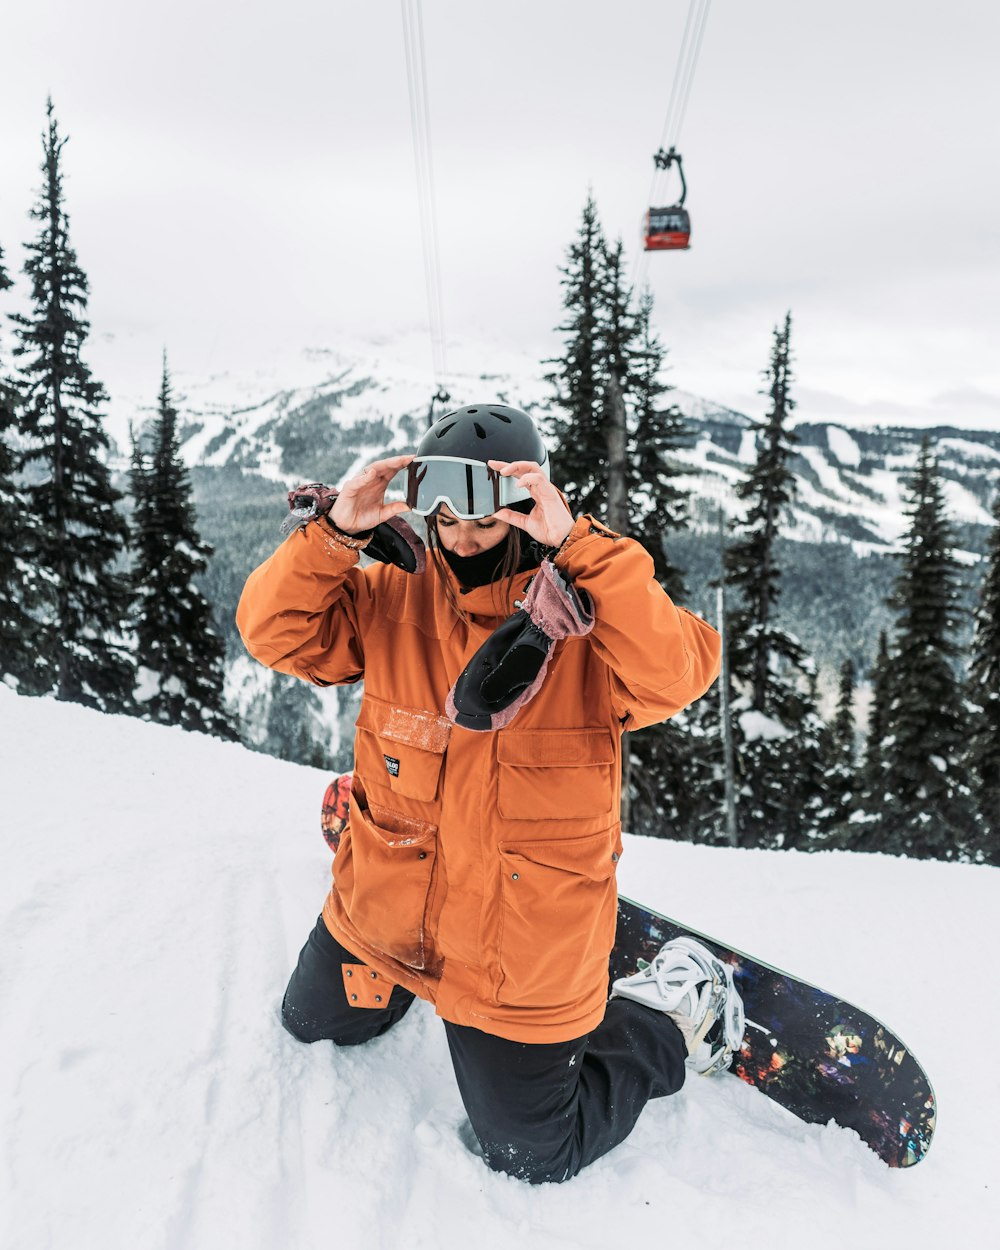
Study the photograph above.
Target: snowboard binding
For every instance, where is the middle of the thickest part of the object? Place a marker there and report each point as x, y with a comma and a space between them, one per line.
695, 988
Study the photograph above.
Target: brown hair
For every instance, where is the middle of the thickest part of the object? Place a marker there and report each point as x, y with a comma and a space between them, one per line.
510, 552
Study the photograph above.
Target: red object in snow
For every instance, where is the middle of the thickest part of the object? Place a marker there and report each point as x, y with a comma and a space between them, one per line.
335, 808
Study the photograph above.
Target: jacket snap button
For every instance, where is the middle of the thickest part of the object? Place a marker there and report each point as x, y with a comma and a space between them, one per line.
422, 855
614, 857
354, 998
350, 973
515, 876
374, 976
378, 998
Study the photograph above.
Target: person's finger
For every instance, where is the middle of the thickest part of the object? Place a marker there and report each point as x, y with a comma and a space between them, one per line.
518, 519
527, 480
507, 468
389, 467
393, 509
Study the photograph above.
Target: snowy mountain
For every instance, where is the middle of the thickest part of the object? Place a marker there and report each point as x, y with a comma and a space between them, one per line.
356, 404
155, 888
324, 414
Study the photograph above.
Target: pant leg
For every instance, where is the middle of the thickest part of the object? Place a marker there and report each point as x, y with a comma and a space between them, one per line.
316, 1006
543, 1111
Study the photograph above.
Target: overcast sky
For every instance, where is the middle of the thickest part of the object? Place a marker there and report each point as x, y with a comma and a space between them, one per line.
240, 180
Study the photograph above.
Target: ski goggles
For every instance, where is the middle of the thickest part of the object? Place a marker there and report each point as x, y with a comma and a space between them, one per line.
470, 488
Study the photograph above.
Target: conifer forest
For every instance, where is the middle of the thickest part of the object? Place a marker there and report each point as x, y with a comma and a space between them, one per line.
121, 569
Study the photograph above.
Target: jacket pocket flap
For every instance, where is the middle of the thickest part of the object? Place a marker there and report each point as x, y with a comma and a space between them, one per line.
395, 829
562, 748
594, 856
411, 726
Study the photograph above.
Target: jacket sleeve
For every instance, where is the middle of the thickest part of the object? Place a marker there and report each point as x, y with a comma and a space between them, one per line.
303, 610
661, 657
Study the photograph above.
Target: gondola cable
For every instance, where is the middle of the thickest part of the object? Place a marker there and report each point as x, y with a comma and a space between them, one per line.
413, 40
674, 233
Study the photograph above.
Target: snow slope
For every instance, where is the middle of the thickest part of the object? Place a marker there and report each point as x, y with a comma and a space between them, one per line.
155, 887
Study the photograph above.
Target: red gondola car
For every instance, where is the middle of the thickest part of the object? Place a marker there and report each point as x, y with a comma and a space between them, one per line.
668, 229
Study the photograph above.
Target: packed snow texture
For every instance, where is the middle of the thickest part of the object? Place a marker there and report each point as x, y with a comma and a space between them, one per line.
155, 889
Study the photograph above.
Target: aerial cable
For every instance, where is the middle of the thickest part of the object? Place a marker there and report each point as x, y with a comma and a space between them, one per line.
420, 125
680, 95
703, 16
416, 76
675, 87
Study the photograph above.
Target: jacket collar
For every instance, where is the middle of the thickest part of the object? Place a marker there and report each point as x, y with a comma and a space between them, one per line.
497, 600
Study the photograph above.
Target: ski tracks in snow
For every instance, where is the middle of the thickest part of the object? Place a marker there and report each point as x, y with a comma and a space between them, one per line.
245, 1180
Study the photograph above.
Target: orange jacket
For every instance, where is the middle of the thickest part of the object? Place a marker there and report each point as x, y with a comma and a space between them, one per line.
478, 869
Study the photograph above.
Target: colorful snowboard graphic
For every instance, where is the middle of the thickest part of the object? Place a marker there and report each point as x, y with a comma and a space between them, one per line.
819, 1057
333, 816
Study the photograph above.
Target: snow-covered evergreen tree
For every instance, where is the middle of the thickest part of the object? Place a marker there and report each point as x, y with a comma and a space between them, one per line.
777, 730
983, 758
180, 652
657, 503
80, 536
612, 355
927, 807
19, 665
579, 445
872, 796
294, 727
840, 771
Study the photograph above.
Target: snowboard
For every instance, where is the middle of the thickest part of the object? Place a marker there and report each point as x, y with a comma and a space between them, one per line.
336, 804
819, 1057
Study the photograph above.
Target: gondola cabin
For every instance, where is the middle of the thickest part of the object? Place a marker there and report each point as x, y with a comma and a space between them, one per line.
666, 229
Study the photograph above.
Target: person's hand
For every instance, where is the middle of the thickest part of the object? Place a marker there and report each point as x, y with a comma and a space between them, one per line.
549, 521
361, 503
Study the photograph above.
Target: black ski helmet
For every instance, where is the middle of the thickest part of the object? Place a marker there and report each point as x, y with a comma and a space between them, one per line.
485, 432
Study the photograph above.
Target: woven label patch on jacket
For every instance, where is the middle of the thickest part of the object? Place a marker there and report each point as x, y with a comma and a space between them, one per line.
392, 765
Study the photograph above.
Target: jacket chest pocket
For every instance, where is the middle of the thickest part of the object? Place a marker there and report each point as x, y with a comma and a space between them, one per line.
401, 748
555, 774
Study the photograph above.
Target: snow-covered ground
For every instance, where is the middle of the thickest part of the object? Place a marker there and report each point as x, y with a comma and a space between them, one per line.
155, 887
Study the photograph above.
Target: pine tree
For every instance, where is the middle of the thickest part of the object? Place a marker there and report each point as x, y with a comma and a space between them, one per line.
180, 653
657, 503
840, 775
751, 561
19, 665
983, 759
872, 774
618, 336
579, 448
777, 729
80, 536
294, 728
927, 807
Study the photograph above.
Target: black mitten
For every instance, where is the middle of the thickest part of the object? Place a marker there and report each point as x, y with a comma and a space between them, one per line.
508, 669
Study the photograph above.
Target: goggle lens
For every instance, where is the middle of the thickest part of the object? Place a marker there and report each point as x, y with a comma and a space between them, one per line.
470, 488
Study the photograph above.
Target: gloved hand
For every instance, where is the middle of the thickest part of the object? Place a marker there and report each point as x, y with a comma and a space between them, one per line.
392, 542
508, 669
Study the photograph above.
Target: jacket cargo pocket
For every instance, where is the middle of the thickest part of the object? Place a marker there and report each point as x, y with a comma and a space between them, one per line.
402, 748
384, 874
558, 915
555, 774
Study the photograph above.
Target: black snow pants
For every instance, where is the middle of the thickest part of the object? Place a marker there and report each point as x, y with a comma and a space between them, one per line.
540, 1111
